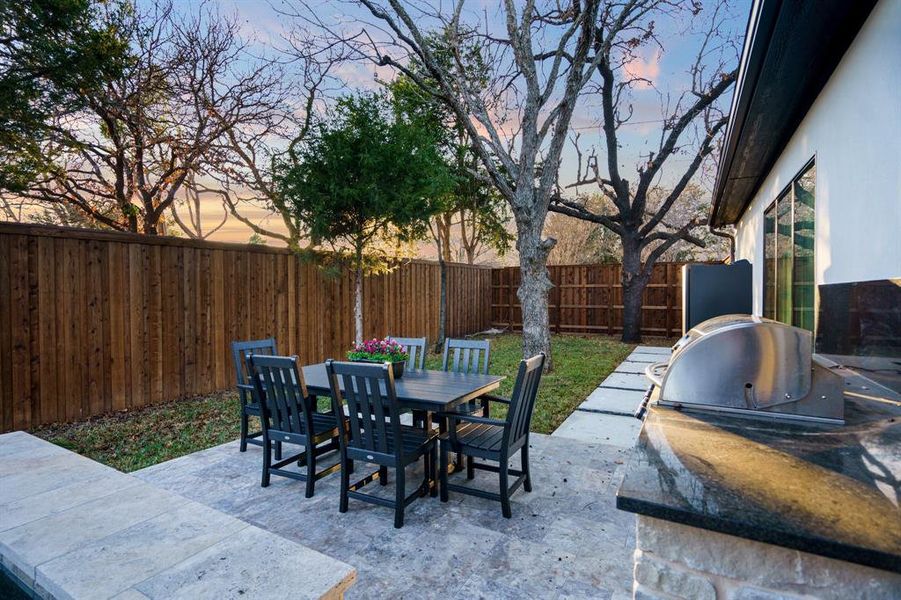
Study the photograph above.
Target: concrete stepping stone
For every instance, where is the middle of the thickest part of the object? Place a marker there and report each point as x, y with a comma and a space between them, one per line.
597, 428
628, 366
627, 381
645, 358
610, 400
653, 350
638, 355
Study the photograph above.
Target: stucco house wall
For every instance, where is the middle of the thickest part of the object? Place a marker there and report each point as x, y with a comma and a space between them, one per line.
853, 130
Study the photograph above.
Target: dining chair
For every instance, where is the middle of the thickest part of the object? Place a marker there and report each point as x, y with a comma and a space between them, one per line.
376, 436
467, 356
494, 439
250, 405
416, 348
288, 416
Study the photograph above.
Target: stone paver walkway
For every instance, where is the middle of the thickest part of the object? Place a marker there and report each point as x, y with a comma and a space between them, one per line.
607, 415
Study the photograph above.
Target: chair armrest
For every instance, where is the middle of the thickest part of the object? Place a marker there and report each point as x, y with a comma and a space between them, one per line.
245, 386
470, 418
494, 398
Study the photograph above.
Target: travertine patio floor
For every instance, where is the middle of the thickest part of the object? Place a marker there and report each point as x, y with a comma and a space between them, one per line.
566, 539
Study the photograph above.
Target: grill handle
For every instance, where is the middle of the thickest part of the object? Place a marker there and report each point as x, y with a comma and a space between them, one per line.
655, 372
643, 407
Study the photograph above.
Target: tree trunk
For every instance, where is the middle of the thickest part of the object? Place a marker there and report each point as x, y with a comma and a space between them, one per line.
358, 299
634, 284
533, 288
442, 304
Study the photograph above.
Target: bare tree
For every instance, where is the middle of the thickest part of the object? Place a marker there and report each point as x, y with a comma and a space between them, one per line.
12, 207
541, 59
300, 81
124, 160
193, 204
581, 242
644, 228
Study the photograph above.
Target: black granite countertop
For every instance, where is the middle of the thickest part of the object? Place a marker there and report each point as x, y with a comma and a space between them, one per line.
826, 490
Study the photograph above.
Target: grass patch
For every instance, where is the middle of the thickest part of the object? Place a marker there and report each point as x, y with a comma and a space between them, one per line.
580, 364
134, 440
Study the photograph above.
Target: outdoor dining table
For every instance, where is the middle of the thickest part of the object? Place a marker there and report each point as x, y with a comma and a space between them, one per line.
427, 393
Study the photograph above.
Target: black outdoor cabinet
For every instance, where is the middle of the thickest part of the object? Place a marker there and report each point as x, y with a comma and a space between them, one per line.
713, 290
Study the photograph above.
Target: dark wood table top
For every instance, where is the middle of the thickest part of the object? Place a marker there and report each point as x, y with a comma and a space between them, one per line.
419, 389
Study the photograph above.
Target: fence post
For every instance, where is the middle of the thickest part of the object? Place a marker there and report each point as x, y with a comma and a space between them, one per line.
610, 291
512, 294
556, 283
669, 301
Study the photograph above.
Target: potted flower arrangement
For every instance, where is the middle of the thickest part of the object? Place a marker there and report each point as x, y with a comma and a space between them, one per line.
380, 351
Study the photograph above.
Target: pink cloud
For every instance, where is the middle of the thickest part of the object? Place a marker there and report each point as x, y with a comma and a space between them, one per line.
648, 69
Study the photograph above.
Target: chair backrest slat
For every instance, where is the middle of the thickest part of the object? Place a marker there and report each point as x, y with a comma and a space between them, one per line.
522, 402
240, 350
416, 348
368, 391
280, 381
469, 356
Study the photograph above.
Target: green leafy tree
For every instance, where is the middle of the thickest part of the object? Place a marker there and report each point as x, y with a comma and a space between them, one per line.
367, 180
472, 207
53, 53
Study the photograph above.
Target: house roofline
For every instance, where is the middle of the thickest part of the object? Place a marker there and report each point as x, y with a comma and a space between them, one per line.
791, 49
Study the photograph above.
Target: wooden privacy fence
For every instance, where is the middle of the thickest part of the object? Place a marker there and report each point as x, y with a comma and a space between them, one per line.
93, 322
589, 299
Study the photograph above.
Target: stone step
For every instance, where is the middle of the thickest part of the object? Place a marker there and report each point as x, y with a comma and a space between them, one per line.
73, 528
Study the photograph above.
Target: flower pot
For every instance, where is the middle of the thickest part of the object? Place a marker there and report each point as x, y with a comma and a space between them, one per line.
397, 367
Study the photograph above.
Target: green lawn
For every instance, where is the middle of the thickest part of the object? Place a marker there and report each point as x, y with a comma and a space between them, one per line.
130, 441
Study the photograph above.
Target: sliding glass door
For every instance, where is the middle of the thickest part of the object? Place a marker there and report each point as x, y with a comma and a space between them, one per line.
789, 292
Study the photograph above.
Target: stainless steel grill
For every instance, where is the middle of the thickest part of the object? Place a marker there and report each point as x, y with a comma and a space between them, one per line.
750, 366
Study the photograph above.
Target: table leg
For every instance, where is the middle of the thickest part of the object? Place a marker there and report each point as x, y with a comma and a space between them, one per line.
442, 429
423, 419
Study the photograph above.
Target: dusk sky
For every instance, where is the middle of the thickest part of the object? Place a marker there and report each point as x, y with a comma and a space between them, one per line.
263, 24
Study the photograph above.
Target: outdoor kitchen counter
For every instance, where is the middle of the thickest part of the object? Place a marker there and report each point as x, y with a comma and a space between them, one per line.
826, 490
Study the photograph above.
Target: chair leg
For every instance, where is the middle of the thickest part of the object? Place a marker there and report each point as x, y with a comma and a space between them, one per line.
442, 472
505, 489
427, 470
383, 475
399, 494
311, 470
433, 478
470, 468
346, 468
524, 455
243, 446
267, 462
278, 450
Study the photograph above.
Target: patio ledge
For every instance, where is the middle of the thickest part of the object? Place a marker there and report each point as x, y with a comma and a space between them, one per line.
73, 528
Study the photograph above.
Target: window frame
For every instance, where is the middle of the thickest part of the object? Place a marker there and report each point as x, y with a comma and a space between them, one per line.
771, 212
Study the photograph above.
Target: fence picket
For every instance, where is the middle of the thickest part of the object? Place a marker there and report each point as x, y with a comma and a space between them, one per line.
94, 321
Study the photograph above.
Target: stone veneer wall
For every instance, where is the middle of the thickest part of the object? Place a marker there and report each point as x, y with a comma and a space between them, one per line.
678, 561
